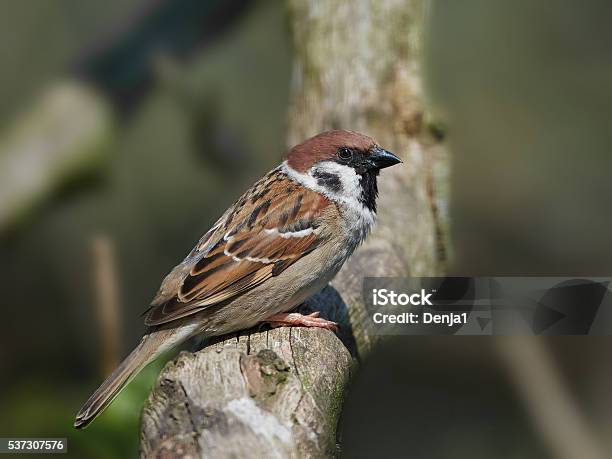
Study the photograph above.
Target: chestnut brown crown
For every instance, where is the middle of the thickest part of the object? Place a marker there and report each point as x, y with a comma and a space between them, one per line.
327, 145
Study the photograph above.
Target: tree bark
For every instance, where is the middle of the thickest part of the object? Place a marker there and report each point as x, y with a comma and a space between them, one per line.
358, 66
279, 393
276, 393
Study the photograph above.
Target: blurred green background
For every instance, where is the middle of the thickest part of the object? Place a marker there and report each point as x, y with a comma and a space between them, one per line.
521, 90
198, 138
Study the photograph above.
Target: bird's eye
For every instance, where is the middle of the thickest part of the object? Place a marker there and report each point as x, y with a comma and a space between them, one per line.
345, 153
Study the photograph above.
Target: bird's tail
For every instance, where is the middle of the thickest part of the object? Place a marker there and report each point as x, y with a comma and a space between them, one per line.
150, 347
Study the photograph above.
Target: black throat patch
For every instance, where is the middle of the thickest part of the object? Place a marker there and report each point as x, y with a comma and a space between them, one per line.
369, 189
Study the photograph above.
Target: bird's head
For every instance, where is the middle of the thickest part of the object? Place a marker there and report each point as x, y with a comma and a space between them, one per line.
341, 164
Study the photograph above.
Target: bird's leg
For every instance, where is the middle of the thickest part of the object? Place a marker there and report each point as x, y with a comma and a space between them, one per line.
295, 319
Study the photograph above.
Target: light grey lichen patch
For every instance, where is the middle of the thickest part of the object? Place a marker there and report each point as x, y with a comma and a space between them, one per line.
260, 421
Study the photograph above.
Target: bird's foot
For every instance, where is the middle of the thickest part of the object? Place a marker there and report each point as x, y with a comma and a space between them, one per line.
295, 319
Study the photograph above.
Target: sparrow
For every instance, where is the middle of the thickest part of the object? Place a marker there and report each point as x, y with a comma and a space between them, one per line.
279, 244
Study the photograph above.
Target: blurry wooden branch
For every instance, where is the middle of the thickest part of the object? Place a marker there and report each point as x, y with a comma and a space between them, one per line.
554, 412
121, 63
64, 134
106, 284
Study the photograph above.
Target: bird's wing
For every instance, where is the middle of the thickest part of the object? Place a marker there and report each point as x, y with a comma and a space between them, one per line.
272, 226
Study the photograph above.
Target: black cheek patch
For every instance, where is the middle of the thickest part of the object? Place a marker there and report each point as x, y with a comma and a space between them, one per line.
328, 180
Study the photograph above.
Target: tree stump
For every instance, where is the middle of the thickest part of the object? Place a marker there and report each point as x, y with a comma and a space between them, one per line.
274, 393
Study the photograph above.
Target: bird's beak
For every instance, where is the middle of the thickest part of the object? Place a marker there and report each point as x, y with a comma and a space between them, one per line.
380, 158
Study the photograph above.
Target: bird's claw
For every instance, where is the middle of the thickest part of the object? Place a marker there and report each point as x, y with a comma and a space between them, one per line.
293, 319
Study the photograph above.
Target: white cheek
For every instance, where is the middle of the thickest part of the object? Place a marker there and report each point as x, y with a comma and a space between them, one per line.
351, 188
358, 218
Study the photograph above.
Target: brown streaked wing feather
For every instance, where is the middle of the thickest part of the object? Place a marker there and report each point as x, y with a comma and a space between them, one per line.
254, 249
